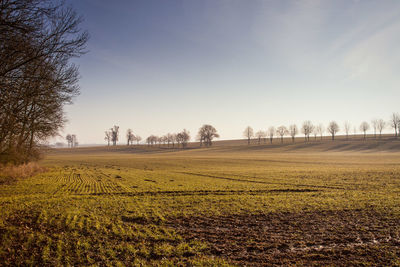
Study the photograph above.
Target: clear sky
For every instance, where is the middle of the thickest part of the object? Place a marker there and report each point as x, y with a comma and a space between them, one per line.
161, 66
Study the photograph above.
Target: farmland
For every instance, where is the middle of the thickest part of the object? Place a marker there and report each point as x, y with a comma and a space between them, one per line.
225, 205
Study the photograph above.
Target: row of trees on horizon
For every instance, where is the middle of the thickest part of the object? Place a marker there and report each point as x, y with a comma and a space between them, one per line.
207, 133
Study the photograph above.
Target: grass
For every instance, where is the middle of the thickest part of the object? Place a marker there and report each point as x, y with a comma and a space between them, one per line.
147, 206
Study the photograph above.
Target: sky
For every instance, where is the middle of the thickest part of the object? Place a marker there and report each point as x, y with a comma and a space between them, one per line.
159, 66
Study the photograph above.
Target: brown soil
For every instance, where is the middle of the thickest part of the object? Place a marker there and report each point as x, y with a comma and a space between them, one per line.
344, 238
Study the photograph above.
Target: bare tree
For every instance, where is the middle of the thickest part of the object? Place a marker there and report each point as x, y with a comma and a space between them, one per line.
183, 138
129, 137
169, 138
38, 40
293, 131
315, 133
107, 137
282, 131
148, 141
347, 127
307, 128
74, 140
381, 125
364, 127
320, 130
151, 140
138, 138
395, 122
271, 133
114, 134
173, 139
374, 123
69, 140
248, 133
259, 136
206, 134
333, 128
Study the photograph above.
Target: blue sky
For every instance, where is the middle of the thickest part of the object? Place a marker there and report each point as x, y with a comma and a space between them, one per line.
161, 66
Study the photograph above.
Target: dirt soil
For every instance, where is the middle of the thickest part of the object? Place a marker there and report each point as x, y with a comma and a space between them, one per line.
339, 238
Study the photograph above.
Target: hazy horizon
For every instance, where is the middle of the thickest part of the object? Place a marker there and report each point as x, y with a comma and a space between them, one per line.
159, 67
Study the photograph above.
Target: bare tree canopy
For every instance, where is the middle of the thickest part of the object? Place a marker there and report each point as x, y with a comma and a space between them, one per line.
381, 125
333, 128
138, 138
260, 135
320, 130
206, 134
374, 124
183, 138
72, 140
38, 39
395, 122
282, 131
107, 137
307, 128
293, 131
364, 127
347, 127
271, 133
248, 133
114, 134
130, 137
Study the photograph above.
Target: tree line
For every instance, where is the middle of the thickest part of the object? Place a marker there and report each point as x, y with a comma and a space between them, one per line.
207, 133
309, 129
38, 39
205, 136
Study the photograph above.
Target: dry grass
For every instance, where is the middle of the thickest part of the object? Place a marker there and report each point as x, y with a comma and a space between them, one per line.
10, 173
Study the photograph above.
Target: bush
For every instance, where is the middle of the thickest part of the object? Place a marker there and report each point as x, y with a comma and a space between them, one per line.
9, 173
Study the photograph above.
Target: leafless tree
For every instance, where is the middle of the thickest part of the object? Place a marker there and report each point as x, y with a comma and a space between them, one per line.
114, 134
347, 127
381, 125
148, 140
138, 139
74, 140
206, 134
282, 131
364, 127
107, 137
395, 122
320, 130
38, 39
315, 133
248, 133
271, 133
173, 139
169, 138
307, 128
183, 138
151, 140
374, 124
293, 131
259, 135
130, 137
333, 128
69, 140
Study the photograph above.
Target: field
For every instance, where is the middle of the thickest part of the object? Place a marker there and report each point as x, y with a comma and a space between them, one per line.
334, 203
